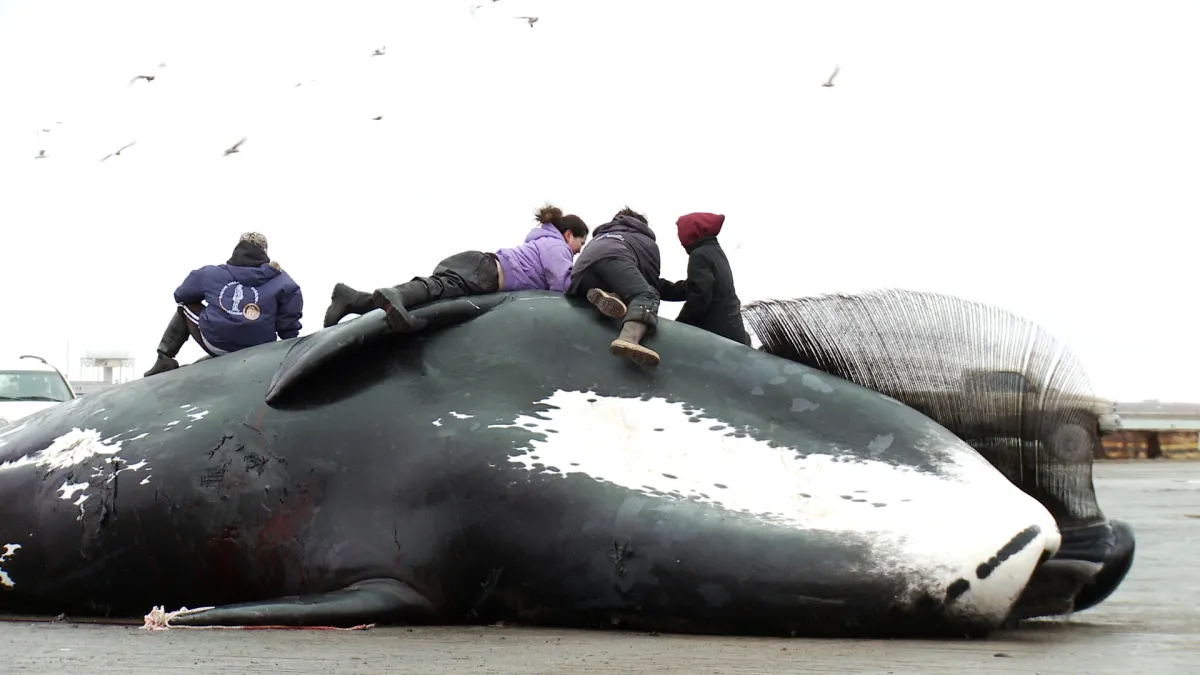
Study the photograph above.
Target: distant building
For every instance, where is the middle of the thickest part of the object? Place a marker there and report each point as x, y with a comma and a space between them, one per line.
1153, 429
106, 368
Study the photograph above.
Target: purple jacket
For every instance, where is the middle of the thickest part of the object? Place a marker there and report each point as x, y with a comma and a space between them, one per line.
543, 262
229, 290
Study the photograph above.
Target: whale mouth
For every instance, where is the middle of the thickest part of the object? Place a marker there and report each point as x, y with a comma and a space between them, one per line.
1111, 545
1090, 565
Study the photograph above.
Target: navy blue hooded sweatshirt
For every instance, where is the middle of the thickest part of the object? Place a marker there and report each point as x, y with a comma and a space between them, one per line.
249, 299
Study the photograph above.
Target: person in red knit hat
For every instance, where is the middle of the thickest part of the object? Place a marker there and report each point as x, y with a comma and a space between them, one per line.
709, 298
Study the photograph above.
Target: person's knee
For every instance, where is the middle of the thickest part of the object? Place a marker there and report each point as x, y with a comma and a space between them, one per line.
643, 309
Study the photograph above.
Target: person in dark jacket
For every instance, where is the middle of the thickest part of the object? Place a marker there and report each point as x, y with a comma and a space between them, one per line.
250, 300
708, 295
543, 261
618, 273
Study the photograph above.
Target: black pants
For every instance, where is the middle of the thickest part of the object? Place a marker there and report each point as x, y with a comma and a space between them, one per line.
466, 273
623, 279
184, 323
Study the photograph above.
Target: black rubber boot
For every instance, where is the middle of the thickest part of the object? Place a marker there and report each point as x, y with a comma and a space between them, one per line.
172, 341
345, 301
396, 301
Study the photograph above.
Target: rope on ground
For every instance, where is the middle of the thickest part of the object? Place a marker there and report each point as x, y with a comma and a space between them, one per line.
158, 619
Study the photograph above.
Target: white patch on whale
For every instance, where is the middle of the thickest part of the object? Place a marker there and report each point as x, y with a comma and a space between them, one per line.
815, 383
803, 405
72, 448
132, 467
9, 551
880, 443
69, 489
77, 447
933, 528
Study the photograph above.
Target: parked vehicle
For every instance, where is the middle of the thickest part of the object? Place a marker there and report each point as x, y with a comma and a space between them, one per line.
29, 384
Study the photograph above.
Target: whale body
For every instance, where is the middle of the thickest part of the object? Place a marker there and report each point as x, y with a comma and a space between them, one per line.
501, 464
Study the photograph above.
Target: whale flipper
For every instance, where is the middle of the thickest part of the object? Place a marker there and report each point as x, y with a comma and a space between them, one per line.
369, 601
312, 352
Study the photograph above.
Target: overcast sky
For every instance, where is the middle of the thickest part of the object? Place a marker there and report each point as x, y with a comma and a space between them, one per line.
1040, 156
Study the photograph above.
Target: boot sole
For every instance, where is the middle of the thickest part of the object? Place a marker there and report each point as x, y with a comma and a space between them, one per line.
609, 305
646, 358
397, 317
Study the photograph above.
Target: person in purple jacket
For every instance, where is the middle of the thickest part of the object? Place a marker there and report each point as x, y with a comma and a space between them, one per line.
249, 299
543, 261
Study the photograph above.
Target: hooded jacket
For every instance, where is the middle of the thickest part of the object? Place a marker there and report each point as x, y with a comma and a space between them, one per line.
624, 237
249, 300
710, 300
543, 262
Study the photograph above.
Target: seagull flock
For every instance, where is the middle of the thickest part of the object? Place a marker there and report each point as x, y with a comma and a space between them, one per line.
381, 51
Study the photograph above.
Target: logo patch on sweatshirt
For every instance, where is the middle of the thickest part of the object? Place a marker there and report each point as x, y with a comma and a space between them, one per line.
251, 310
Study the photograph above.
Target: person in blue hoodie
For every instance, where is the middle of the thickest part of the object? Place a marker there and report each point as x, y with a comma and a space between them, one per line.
245, 302
543, 261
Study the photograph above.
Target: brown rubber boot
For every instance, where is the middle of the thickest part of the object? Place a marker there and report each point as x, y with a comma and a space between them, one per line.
345, 301
608, 304
628, 345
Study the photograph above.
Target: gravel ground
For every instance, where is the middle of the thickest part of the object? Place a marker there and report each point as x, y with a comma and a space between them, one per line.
1149, 624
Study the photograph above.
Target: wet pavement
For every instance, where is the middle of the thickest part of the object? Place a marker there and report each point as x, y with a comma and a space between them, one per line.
1149, 624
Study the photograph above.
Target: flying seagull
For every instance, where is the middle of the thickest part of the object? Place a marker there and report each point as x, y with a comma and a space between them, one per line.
531, 19
41, 154
829, 82
148, 78
380, 51
377, 118
230, 151
475, 7
117, 153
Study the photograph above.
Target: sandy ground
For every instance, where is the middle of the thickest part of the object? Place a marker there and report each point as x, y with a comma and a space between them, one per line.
1149, 624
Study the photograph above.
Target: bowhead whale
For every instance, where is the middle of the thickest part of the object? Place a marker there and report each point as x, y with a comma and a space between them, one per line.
501, 465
